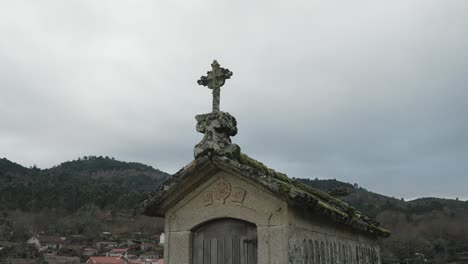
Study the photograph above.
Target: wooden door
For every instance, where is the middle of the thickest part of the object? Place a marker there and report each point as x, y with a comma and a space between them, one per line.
225, 241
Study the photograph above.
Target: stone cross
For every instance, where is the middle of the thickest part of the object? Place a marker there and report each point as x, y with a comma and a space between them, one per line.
214, 79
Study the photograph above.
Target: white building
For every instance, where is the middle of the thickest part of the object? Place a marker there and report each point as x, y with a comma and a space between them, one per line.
162, 238
44, 243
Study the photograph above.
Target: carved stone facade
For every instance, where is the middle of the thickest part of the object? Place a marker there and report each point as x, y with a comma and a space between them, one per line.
207, 191
285, 234
220, 197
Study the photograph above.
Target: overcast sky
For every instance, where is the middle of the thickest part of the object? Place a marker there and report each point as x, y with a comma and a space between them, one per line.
372, 92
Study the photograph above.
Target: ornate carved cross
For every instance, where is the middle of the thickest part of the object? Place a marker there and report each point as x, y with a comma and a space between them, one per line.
214, 79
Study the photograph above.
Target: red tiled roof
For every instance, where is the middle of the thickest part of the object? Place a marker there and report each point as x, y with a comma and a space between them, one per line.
105, 260
73, 247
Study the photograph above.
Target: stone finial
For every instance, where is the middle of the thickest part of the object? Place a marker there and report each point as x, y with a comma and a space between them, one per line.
218, 127
214, 80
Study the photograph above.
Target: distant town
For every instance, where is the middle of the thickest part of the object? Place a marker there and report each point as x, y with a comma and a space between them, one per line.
134, 248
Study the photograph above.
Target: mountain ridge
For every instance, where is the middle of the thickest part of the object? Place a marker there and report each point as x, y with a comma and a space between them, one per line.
90, 194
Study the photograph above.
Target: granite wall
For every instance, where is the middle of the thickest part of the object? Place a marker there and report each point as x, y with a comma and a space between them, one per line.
311, 240
285, 234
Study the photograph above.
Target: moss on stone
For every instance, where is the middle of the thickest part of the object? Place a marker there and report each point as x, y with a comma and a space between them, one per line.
288, 183
246, 160
332, 210
317, 200
381, 231
284, 188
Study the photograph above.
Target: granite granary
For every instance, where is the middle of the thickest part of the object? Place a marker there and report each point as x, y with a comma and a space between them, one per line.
227, 208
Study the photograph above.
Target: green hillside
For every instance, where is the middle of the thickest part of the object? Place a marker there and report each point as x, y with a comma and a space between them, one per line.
101, 181
85, 196
94, 194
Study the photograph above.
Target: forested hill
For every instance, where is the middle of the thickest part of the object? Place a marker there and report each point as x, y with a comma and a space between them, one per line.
373, 203
95, 194
100, 181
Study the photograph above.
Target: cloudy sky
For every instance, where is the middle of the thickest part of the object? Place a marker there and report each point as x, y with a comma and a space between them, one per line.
372, 92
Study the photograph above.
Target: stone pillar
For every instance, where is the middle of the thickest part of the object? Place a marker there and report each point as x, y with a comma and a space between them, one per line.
179, 250
218, 127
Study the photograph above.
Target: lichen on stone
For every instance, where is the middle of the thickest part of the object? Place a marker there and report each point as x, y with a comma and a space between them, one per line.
284, 188
217, 128
304, 195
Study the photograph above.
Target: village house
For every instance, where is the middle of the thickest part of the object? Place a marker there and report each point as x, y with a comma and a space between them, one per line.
150, 261
134, 244
107, 244
149, 255
134, 261
114, 260
153, 260
70, 250
54, 259
225, 207
117, 252
162, 237
46, 243
145, 246
89, 251
105, 260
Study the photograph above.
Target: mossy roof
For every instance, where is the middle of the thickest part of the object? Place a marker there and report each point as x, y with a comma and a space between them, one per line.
294, 192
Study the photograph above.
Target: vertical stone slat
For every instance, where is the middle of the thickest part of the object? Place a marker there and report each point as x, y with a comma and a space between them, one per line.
339, 257
229, 250
334, 256
206, 252
243, 247
235, 251
317, 252
199, 251
343, 254
322, 253
221, 251
213, 251
305, 251
357, 255
311, 252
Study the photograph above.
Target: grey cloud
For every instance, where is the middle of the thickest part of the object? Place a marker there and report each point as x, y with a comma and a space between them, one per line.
364, 92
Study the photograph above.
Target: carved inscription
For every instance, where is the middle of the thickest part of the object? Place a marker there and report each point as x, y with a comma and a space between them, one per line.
221, 191
208, 198
172, 217
238, 195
